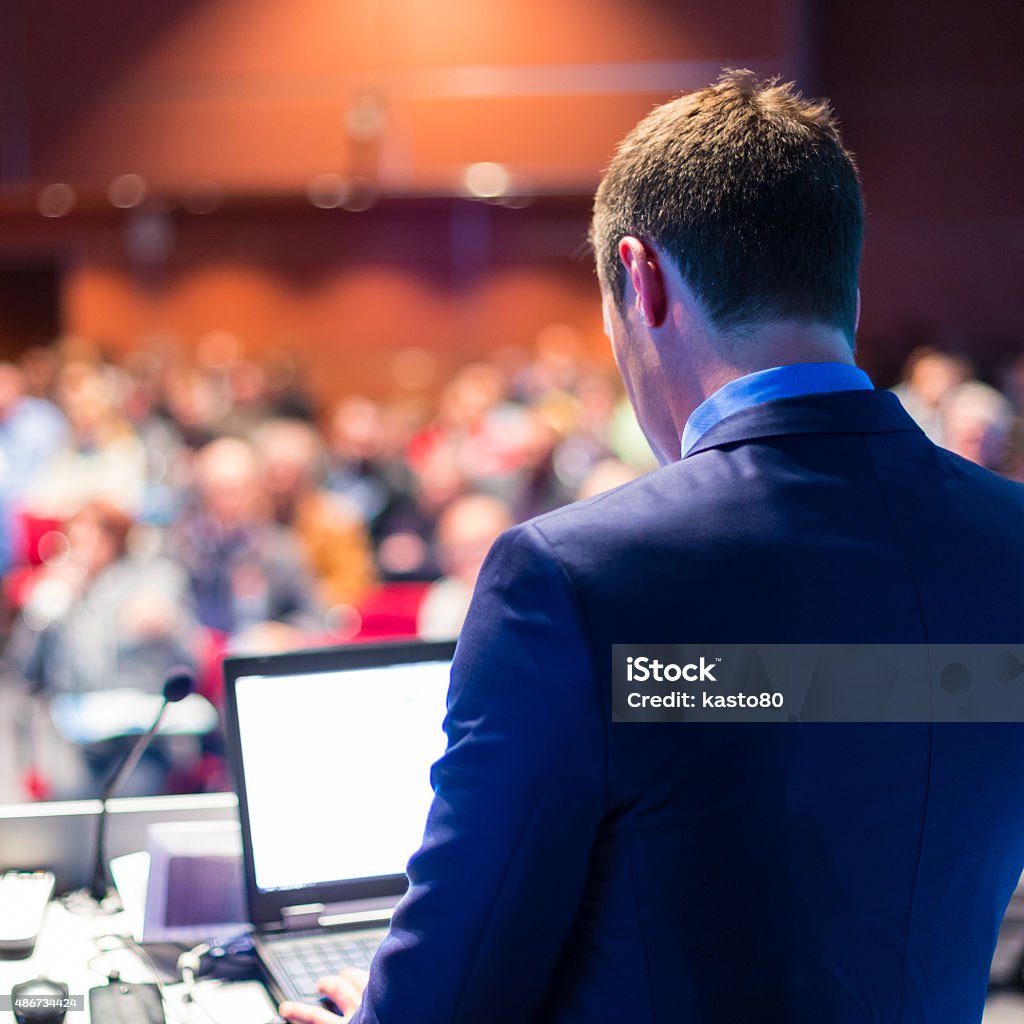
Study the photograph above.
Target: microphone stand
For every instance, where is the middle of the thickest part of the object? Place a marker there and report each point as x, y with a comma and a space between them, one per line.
101, 896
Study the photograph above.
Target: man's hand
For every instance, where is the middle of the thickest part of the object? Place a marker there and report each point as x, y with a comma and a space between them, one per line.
344, 989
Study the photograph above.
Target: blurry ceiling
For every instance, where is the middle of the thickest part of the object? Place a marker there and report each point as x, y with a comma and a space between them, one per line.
206, 98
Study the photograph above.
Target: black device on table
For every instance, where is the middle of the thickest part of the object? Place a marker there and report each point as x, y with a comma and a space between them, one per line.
40, 1001
122, 1002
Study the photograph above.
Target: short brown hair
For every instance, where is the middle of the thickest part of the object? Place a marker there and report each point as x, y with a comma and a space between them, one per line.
747, 187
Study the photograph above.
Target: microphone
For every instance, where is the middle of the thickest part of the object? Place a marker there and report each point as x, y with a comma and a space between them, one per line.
101, 896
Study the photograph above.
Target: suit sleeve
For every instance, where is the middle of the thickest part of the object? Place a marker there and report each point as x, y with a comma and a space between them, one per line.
518, 798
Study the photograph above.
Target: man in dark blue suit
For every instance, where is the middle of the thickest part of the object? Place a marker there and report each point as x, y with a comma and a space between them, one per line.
579, 870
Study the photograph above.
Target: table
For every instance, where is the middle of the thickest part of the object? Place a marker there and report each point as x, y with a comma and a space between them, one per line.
69, 950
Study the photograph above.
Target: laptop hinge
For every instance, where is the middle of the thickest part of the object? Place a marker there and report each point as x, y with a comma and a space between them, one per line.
302, 917
355, 917
311, 915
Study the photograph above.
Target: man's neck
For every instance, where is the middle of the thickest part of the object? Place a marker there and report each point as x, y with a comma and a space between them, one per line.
777, 344
788, 381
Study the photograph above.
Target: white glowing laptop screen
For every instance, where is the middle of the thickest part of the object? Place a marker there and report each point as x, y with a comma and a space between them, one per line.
337, 769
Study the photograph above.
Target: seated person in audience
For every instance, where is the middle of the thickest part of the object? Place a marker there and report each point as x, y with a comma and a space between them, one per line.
540, 487
556, 362
168, 458
327, 526
476, 428
189, 402
1011, 380
929, 375
407, 544
103, 459
465, 532
39, 365
249, 578
32, 431
361, 467
7, 534
247, 402
586, 435
1013, 466
976, 423
287, 386
100, 617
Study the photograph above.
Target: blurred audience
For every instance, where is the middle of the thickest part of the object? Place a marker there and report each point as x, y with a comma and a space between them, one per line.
1011, 380
247, 404
1014, 468
976, 423
103, 622
190, 404
32, 431
327, 526
929, 375
248, 576
361, 467
605, 476
100, 615
406, 549
39, 364
102, 458
466, 530
155, 510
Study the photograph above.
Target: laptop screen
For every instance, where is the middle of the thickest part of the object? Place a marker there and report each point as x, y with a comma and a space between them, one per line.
335, 760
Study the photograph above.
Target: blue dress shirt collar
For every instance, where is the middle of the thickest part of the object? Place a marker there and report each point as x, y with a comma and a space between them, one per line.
790, 381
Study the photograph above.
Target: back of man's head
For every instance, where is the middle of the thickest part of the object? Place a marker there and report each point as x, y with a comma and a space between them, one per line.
746, 186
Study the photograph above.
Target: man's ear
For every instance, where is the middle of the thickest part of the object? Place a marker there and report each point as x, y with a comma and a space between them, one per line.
646, 278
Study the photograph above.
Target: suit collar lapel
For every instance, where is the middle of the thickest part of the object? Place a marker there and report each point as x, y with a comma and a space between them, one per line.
842, 412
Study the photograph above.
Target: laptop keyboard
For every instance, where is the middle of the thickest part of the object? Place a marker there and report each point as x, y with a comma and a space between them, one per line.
298, 959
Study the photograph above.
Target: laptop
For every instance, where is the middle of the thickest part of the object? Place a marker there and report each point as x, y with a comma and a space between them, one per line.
331, 751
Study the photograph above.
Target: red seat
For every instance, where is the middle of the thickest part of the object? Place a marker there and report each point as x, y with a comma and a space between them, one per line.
27, 553
389, 611
29, 531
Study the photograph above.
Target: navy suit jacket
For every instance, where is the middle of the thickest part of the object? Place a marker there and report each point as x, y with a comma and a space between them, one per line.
575, 870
